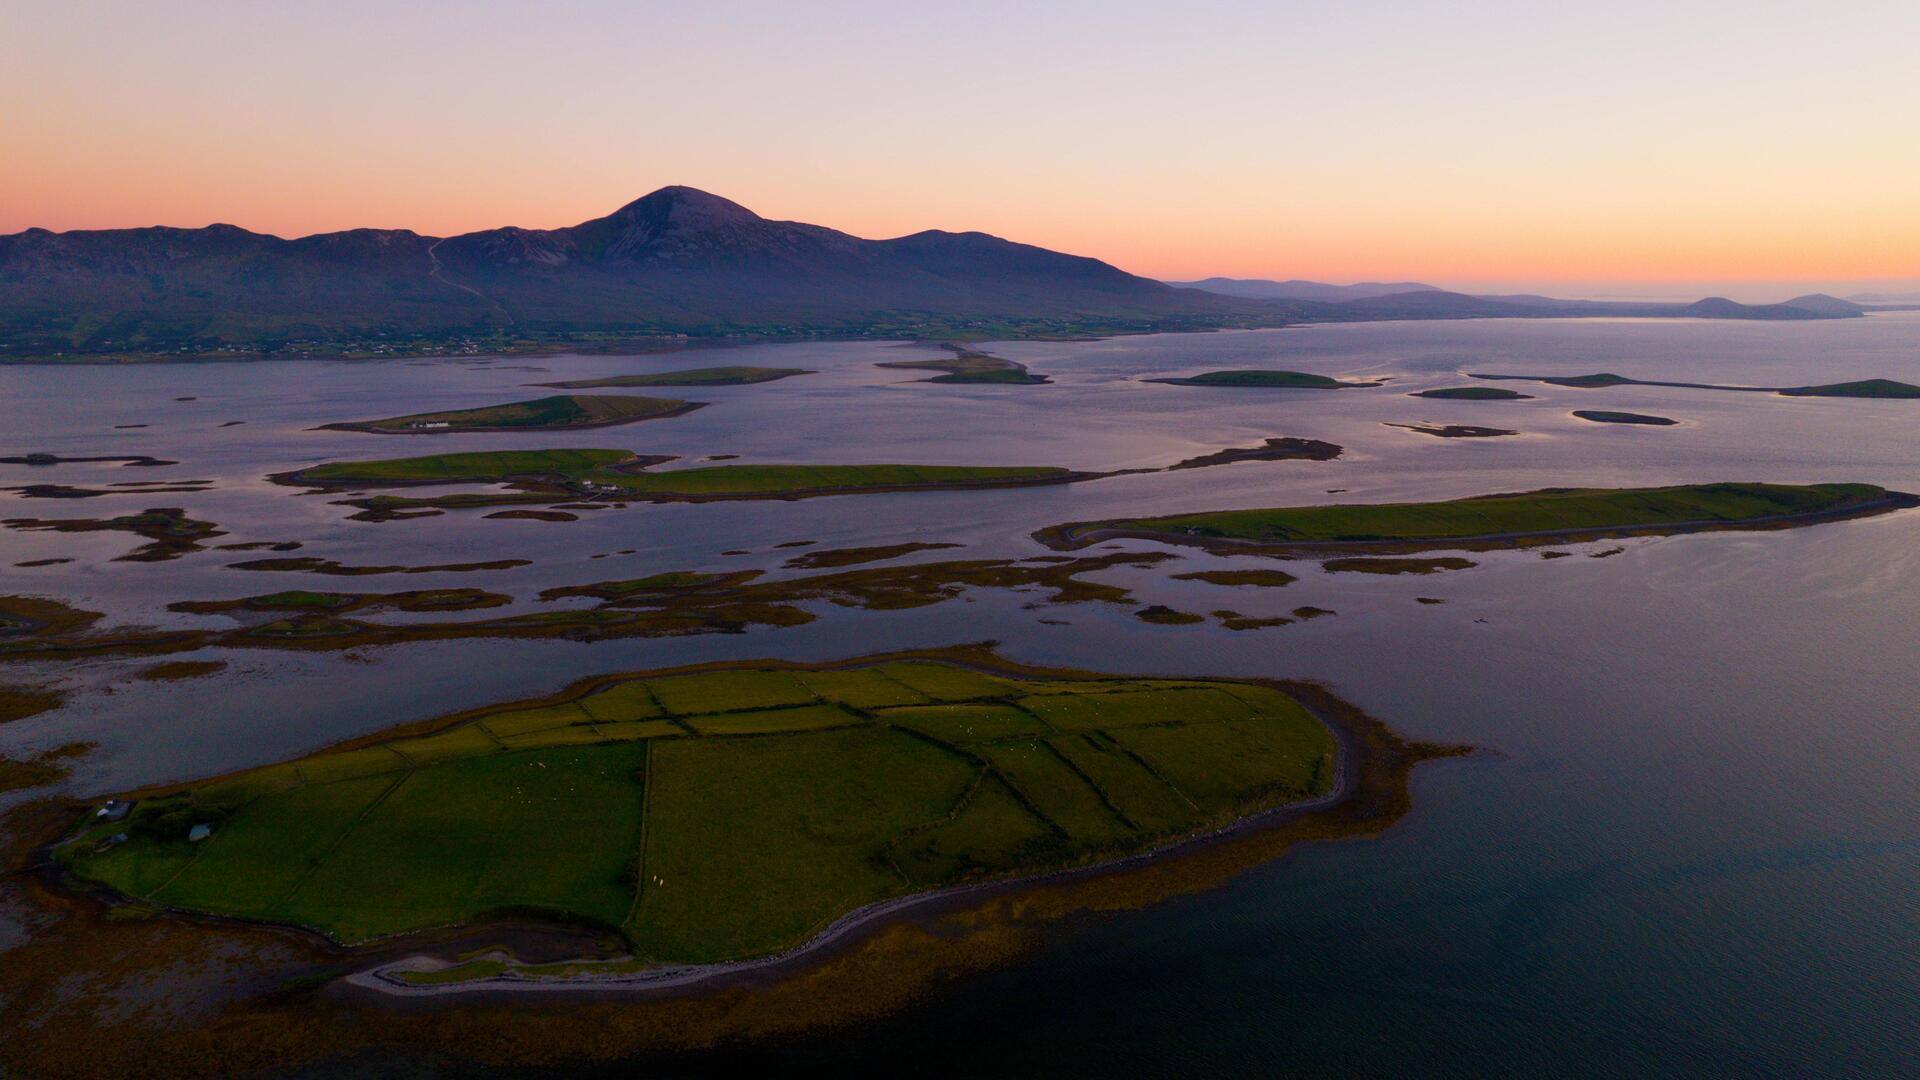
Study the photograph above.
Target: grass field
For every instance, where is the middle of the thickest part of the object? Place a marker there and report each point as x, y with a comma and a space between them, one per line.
1281, 380
708, 376
558, 411
1548, 510
716, 814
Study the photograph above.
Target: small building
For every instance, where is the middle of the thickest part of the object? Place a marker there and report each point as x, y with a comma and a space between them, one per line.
199, 832
114, 810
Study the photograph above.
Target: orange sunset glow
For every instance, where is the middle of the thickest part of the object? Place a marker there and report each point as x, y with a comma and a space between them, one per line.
1561, 149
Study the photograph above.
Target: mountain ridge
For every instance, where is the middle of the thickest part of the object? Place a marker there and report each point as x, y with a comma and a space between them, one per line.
675, 263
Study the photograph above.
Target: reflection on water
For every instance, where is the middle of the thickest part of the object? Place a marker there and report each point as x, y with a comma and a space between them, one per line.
1699, 848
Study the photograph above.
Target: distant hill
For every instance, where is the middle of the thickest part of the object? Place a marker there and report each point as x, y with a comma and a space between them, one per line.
678, 261
1438, 304
1824, 304
1259, 289
1314, 301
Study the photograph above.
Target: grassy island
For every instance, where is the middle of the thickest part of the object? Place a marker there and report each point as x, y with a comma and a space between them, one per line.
1608, 416
562, 411
1859, 388
541, 475
1278, 380
718, 813
707, 376
969, 366
1863, 388
1555, 514
1473, 393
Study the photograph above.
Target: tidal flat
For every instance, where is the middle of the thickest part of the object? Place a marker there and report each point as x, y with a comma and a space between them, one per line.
1570, 672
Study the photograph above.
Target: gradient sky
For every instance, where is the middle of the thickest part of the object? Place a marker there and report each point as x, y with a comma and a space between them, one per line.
1746, 148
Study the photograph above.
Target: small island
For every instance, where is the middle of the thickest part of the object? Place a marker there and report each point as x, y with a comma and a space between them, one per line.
1859, 388
707, 376
1285, 448
543, 475
1550, 515
1606, 416
1863, 388
971, 366
560, 412
1457, 431
1472, 393
717, 814
1275, 380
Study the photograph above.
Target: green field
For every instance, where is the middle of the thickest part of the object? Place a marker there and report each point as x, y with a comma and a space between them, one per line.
1283, 380
1549, 510
558, 411
707, 376
717, 814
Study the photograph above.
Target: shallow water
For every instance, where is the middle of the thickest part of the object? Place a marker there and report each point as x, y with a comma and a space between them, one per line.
1697, 849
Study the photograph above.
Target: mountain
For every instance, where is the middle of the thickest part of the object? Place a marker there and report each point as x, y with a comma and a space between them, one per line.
1885, 298
1259, 289
677, 261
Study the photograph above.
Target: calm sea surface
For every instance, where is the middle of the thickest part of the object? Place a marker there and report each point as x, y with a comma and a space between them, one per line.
1696, 850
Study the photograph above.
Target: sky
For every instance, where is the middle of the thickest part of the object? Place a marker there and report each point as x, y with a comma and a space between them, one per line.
1751, 149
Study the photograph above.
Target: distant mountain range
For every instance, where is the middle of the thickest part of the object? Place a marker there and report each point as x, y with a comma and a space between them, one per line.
1315, 301
1257, 289
678, 262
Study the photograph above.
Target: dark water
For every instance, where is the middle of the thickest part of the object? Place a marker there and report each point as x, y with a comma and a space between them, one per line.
1697, 850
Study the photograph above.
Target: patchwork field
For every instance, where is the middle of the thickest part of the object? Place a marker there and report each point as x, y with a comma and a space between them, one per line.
716, 814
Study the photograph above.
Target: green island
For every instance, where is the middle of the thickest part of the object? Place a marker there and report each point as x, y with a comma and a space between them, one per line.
1608, 416
1455, 431
672, 604
1862, 388
169, 532
1859, 388
559, 412
1473, 393
971, 366
738, 375
542, 475
723, 812
1286, 448
1548, 515
1279, 380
